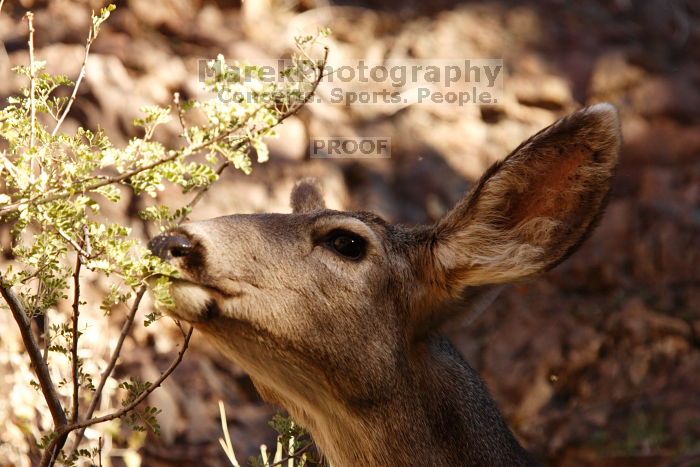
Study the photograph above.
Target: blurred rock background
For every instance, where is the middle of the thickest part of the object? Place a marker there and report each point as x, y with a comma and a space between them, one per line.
596, 363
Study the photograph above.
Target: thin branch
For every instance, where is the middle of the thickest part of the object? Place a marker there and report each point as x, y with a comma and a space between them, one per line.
181, 116
74, 338
296, 454
76, 317
200, 194
133, 404
32, 84
126, 329
86, 241
40, 368
74, 244
225, 443
124, 410
60, 440
37, 200
319, 69
81, 75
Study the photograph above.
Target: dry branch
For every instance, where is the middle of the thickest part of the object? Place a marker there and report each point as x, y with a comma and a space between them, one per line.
126, 329
40, 368
66, 429
75, 336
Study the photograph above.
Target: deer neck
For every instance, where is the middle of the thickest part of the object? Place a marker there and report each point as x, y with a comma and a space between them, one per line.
440, 415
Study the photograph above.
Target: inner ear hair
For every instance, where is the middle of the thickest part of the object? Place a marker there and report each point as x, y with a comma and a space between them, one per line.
307, 196
530, 211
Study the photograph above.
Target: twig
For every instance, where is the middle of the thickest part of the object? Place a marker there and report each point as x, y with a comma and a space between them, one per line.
40, 368
32, 84
225, 443
60, 440
81, 75
74, 337
87, 250
181, 116
131, 406
293, 456
126, 328
74, 244
319, 68
200, 194
124, 410
86, 241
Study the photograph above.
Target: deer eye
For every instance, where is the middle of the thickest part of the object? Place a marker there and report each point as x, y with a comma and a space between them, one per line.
347, 244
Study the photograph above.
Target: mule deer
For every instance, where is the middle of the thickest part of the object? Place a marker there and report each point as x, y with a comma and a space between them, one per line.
335, 315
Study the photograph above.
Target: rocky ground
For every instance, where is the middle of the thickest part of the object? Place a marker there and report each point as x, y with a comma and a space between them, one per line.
596, 363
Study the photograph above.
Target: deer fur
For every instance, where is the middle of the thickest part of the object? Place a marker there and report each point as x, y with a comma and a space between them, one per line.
351, 347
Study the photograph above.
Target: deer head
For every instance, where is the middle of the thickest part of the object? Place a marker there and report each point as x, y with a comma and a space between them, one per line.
335, 314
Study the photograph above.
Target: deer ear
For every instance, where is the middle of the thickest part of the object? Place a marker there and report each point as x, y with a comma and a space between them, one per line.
307, 196
534, 208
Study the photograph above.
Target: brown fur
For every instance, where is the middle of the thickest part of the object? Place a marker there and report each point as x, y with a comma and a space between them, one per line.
307, 196
350, 346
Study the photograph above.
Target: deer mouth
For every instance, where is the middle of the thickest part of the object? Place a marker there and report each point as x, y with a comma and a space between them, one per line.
196, 303
211, 311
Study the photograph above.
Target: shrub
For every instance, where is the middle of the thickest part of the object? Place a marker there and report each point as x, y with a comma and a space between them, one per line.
52, 182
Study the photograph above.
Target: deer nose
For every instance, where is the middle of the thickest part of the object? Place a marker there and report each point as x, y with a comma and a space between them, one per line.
170, 245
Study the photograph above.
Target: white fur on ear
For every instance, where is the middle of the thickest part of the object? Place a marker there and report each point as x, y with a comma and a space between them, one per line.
307, 196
